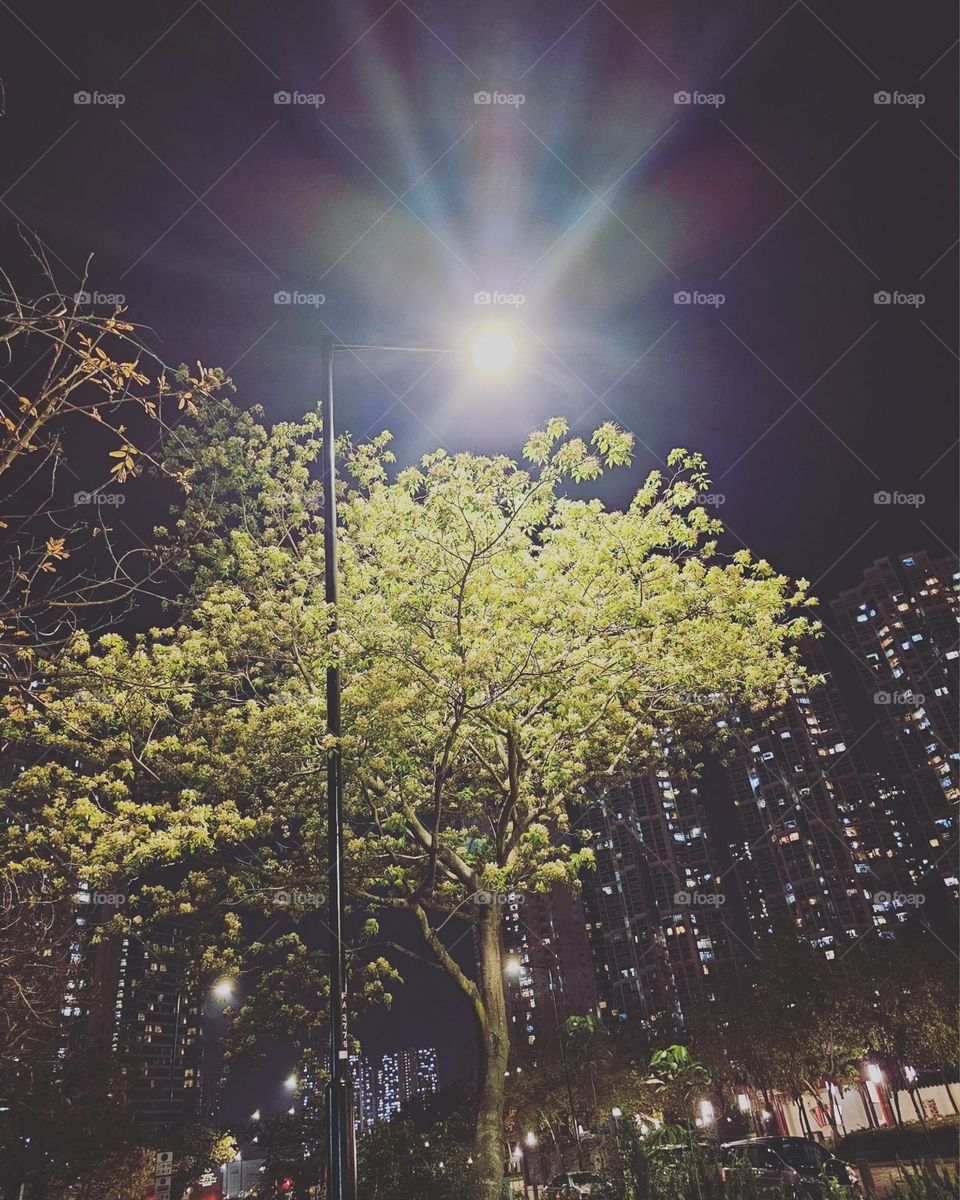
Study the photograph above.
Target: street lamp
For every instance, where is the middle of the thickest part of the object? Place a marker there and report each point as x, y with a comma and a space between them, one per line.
514, 967
493, 351
223, 989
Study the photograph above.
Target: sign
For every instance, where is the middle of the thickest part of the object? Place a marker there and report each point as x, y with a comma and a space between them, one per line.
162, 1174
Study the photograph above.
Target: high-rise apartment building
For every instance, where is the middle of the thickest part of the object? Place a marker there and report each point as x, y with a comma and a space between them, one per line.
655, 905
545, 937
820, 846
364, 1074
151, 1022
403, 1076
901, 622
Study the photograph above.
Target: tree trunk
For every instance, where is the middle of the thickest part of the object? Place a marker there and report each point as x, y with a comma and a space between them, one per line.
918, 1107
831, 1109
494, 1048
895, 1098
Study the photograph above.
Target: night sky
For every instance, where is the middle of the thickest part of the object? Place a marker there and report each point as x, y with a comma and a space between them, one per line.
785, 195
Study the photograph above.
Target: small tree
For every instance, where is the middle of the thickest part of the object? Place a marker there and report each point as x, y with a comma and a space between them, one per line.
90, 407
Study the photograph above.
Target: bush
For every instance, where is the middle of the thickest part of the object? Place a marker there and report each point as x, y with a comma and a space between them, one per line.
927, 1182
911, 1143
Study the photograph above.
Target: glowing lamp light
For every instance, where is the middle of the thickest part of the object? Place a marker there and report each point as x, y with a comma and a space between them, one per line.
616, 1113
910, 1074
290, 1082
531, 1138
223, 989
743, 1102
513, 966
494, 349
874, 1074
706, 1112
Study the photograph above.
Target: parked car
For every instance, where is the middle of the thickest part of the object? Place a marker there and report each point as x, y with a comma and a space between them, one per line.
571, 1185
794, 1164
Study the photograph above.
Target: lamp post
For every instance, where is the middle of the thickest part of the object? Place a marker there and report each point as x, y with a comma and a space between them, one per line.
493, 351
341, 1147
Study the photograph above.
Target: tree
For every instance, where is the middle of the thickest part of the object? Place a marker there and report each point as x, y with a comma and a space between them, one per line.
90, 408
907, 989
792, 1020
505, 648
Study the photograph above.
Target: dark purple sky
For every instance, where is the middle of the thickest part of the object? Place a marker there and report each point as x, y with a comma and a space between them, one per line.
783, 187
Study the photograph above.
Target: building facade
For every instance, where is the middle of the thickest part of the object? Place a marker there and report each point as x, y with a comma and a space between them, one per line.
552, 976
901, 622
656, 905
403, 1076
365, 1092
820, 845
151, 1022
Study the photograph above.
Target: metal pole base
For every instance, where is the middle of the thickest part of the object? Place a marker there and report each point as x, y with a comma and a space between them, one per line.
341, 1142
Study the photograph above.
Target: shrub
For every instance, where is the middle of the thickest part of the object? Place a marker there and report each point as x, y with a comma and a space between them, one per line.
926, 1182
911, 1142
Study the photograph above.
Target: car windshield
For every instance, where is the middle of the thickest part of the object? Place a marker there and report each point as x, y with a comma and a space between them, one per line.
800, 1154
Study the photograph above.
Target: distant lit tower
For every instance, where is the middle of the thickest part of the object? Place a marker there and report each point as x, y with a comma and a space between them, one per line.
655, 905
404, 1076
364, 1092
150, 1020
901, 621
820, 846
546, 935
